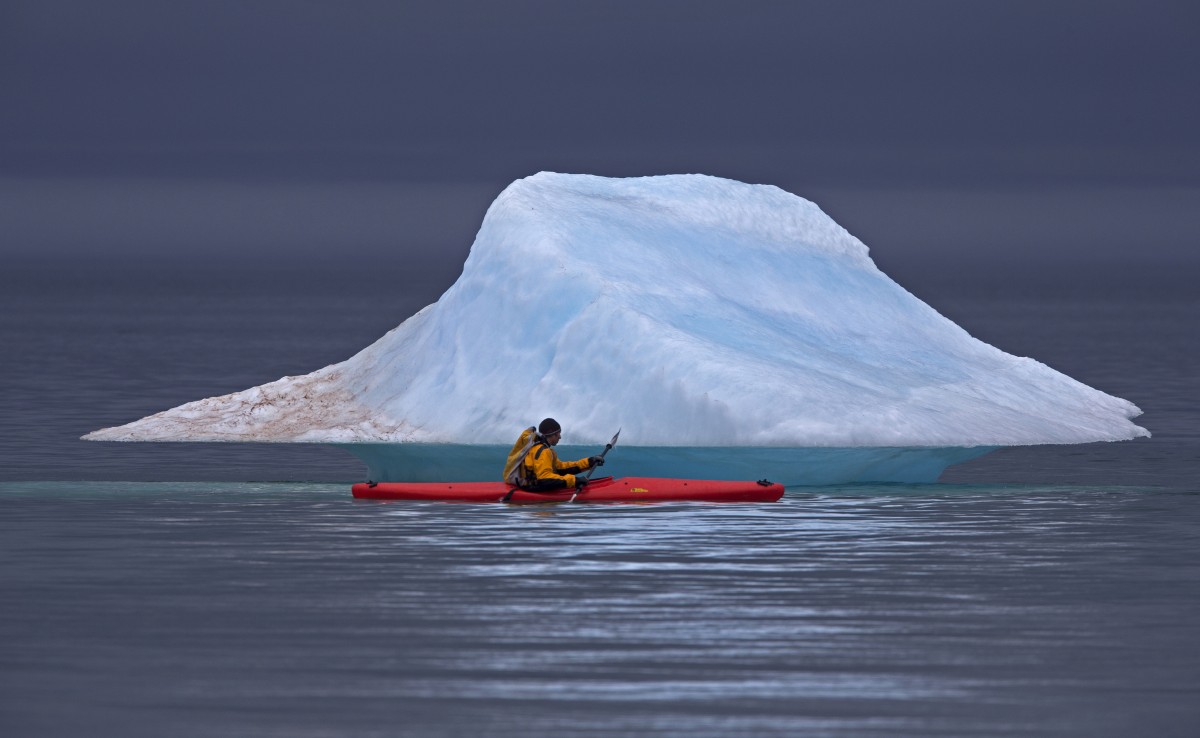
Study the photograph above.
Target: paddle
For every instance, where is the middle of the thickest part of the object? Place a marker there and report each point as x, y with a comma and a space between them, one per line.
607, 448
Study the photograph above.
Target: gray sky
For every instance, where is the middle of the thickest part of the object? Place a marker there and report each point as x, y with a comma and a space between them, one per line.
951, 130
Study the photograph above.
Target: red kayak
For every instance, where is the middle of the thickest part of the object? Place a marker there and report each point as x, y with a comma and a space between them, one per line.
605, 489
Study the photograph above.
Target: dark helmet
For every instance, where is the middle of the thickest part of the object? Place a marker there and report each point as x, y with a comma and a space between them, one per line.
549, 426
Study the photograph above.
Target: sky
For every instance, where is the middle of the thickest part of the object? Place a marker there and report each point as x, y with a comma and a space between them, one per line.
941, 133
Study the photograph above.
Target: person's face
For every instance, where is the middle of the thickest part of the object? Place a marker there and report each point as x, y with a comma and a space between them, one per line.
553, 438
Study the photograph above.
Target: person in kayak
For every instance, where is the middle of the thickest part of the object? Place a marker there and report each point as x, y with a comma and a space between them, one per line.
533, 464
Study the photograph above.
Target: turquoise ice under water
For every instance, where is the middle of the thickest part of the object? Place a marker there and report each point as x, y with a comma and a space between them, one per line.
788, 466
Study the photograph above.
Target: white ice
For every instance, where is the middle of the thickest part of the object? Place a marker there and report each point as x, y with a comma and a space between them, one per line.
688, 310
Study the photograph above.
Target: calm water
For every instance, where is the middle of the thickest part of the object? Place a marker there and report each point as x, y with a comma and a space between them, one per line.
1033, 592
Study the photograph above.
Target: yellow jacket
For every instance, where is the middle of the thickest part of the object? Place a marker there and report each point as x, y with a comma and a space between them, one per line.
542, 465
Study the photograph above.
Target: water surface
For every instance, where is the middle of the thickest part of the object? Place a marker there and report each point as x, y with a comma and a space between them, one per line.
207, 609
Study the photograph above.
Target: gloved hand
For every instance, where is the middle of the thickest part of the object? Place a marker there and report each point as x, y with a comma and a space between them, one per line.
594, 461
581, 482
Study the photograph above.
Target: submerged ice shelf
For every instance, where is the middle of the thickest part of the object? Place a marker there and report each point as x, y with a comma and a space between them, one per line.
720, 324
789, 466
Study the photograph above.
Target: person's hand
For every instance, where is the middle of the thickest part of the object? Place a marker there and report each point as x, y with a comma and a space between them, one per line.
581, 482
595, 461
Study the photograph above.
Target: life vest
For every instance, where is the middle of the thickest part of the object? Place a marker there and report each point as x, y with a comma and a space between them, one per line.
515, 472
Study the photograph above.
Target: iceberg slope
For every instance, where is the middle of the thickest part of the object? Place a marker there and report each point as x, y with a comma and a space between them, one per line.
690, 311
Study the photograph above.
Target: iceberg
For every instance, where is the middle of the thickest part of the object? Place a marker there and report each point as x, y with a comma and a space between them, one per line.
730, 330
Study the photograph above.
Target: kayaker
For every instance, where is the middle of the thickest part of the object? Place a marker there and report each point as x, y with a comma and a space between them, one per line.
540, 470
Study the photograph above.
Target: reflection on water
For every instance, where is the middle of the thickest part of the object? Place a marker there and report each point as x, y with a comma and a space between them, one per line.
216, 609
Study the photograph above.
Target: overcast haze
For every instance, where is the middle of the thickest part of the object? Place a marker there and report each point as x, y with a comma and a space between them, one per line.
935, 131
